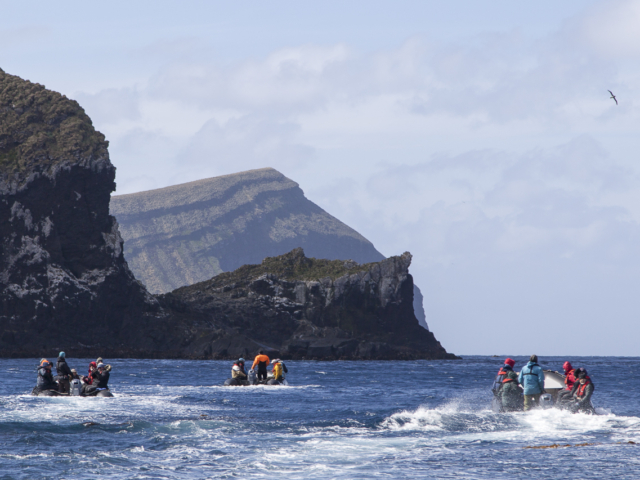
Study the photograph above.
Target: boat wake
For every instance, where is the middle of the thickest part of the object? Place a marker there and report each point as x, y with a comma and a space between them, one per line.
550, 425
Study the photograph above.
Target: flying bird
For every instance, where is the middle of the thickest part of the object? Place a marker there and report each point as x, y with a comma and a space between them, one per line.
613, 96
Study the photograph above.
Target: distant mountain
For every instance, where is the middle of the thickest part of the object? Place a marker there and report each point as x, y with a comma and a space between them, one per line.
188, 233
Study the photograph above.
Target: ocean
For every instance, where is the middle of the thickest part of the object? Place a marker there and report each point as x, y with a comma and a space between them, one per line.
351, 420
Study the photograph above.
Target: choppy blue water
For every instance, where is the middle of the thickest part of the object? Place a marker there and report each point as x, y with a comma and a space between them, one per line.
352, 420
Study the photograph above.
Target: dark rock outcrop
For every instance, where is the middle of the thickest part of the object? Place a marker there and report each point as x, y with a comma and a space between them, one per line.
299, 307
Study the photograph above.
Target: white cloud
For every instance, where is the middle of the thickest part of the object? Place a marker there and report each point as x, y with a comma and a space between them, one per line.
612, 28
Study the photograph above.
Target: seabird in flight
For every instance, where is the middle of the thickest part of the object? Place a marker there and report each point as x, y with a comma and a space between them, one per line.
613, 96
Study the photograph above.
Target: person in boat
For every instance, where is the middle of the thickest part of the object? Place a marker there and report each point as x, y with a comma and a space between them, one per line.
531, 377
45, 378
278, 369
101, 360
63, 373
100, 379
239, 373
511, 393
582, 391
88, 380
565, 396
261, 361
502, 373
74, 374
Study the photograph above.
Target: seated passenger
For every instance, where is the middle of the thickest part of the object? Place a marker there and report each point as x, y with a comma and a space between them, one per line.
511, 393
564, 396
502, 373
100, 380
74, 374
582, 392
88, 380
63, 372
45, 378
261, 361
278, 370
238, 372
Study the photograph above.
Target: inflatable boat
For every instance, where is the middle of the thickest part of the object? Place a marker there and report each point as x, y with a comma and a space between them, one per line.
553, 385
75, 390
252, 379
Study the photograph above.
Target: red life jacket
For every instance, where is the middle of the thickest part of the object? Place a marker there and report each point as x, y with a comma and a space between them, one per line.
506, 380
570, 379
582, 388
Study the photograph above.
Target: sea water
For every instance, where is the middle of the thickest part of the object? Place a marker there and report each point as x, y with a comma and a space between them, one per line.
352, 420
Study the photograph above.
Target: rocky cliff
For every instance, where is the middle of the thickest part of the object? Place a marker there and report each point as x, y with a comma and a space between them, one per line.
61, 265
298, 307
65, 284
188, 233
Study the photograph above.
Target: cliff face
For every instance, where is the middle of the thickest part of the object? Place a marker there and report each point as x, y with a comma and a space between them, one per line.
299, 307
61, 265
188, 233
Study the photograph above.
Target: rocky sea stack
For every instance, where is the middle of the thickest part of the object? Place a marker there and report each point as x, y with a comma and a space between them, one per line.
299, 307
65, 284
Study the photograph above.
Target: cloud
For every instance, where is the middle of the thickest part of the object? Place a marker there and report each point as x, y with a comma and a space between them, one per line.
611, 28
245, 143
111, 105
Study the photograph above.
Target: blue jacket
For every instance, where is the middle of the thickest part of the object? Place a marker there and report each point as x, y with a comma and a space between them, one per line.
532, 379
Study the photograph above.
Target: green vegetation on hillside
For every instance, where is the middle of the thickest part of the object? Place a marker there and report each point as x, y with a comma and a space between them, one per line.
40, 129
290, 266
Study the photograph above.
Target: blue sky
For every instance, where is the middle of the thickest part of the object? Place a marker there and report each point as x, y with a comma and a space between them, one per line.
477, 135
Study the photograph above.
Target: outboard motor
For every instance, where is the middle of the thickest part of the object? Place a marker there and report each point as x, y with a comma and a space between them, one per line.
75, 387
546, 400
252, 377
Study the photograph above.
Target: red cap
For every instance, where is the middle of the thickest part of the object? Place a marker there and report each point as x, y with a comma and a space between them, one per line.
510, 362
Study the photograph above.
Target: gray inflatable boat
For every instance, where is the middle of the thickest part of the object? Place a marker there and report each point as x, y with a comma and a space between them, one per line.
553, 385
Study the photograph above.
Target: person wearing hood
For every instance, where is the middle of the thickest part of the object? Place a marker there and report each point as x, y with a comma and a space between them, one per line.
498, 382
565, 395
582, 392
531, 377
45, 378
88, 380
238, 372
63, 373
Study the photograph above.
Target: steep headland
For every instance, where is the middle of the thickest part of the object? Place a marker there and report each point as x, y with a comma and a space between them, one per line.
62, 272
188, 233
299, 307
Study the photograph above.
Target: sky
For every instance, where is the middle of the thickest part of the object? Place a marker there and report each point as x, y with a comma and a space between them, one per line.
479, 136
